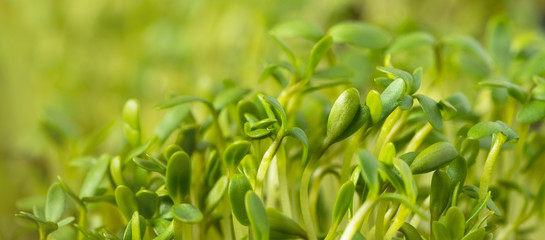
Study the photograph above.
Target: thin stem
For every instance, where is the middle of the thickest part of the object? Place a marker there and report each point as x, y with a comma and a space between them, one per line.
402, 215
355, 224
499, 140
303, 193
82, 221
283, 181
266, 161
418, 138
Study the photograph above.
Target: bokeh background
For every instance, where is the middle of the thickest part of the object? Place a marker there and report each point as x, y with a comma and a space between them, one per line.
68, 66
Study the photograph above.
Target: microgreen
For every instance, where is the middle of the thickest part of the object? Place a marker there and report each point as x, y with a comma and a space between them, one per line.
311, 159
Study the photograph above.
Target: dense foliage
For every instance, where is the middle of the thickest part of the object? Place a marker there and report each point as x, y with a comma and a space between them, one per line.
408, 160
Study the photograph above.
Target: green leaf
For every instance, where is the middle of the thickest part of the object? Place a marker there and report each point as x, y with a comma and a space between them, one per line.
532, 112
300, 135
257, 216
369, 167
470, 150
149, 165
398, 73
343, 202
228, 96
170, 122
538, 92
390, 97
409, 157
434, 157
148, 203
280, 223
410, 232
256, 134
276, 107
484, 129
514, 90
455, 221
131, 116
411, 40
216, 194
460, 102
265, 123
318, 52
387, 153
178, 100
186, 213
361, 118
383, 82
417, 78
374, 103
440, 231
235, 153
238, 187
315, 86
334, 72
245, 107
342, 113
406, 102
178, 176
447, 110
287, 49
477, 234
457, 172
65, 221
431, 110
94, 176
477, 209
298, 28
408, 178
499, 42
126, 201
187, 138
70, 192
170, 150
55, 203
360, 34
471, 45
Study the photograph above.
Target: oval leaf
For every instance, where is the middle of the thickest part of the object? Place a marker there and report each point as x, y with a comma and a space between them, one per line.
434, 157
186, 213
55, 203
257, 216
360, 34
238, 187
431, 110
178, 176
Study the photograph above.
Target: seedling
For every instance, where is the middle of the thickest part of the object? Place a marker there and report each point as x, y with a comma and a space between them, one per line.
407, 160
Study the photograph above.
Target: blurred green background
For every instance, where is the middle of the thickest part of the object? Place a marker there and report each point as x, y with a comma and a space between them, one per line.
71, 65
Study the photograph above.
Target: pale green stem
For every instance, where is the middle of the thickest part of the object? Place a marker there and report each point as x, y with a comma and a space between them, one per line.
228, 232
418, 138
402, 215
307, 219
355, 224
281, 162
82, 221
379, 225
240, 230
332, 233
178, 229
265, 162
499, 140
350, 151
303, 192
